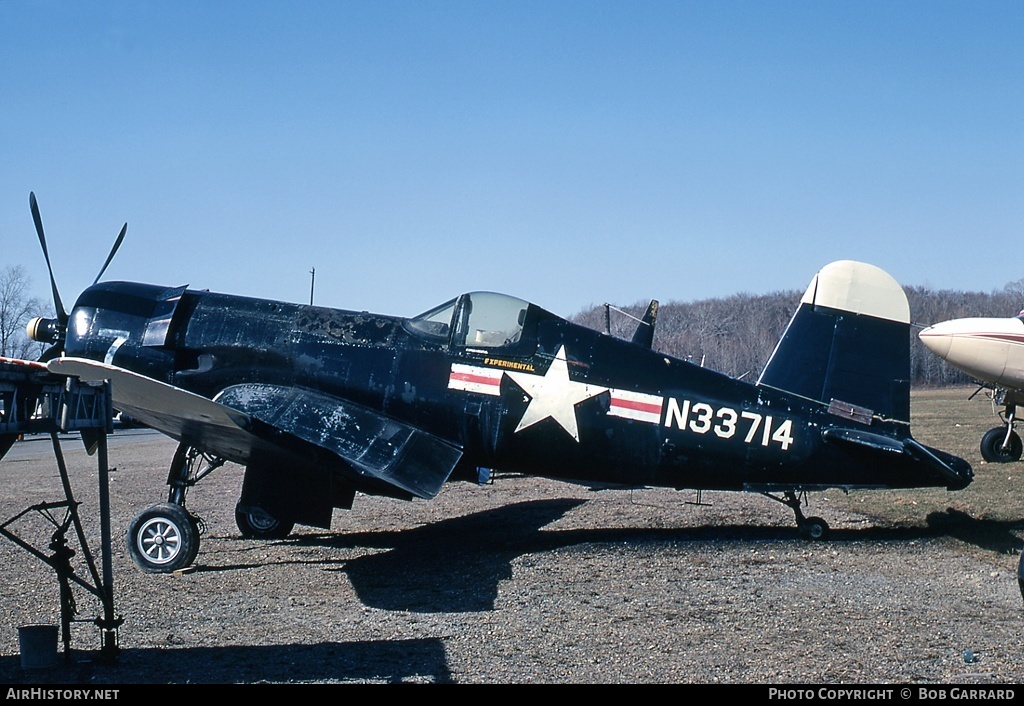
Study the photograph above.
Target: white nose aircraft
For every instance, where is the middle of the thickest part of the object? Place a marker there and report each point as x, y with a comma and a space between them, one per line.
991, 350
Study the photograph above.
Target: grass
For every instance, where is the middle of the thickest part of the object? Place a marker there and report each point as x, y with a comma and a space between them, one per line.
951, 420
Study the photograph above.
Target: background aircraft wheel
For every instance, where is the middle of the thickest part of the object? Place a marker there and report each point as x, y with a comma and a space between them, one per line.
992, 449
163, 538
814, 528
260, 525
1020, 574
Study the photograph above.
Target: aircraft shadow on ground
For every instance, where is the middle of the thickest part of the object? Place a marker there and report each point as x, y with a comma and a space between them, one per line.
991, 535
422, 660
456, 565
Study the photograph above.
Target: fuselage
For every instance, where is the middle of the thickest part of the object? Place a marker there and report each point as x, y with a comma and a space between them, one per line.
989, 349
516, 387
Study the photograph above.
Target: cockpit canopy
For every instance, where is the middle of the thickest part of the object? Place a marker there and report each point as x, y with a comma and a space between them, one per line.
474, 320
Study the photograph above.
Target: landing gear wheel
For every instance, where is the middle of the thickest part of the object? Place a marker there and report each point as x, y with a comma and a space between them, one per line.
163, 538
257, 524
993, 451
814, 528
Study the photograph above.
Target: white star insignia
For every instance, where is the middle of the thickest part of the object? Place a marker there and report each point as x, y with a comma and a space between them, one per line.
554, 395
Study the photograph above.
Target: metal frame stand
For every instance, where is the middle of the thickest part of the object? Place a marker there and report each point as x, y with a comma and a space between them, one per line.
32, 401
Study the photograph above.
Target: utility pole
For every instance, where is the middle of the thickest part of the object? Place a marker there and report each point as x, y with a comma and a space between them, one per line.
312, 283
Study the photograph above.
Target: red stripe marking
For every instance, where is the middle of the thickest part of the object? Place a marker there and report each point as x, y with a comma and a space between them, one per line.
470, 377
639, 406
26, 363
1011, 337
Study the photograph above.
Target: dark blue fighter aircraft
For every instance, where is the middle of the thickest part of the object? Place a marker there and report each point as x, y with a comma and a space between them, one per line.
319, 404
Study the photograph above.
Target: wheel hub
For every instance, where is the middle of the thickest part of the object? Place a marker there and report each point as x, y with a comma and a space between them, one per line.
159, 540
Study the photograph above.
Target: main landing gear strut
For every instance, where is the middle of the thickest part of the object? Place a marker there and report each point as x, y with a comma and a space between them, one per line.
1002, 444
810, 527
165, 537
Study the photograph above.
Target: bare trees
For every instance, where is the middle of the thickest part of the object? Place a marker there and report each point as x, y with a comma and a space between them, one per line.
736, 335
16, 308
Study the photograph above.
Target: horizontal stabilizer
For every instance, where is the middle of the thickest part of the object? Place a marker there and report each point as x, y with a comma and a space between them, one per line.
864, 438
373, 444
956, 472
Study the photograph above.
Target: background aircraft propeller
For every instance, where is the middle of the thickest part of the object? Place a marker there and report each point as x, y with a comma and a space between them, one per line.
54, 330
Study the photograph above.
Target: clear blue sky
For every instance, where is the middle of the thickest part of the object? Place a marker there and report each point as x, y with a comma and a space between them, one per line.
568, 152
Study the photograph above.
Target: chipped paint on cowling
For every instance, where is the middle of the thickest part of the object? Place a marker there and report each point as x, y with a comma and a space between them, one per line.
348, 328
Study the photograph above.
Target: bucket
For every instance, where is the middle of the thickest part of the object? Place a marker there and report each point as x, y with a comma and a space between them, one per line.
38, 646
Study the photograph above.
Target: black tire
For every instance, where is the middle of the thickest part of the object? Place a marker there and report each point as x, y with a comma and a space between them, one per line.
814, 528
993, 451
1020, 574
163, 538
257, 524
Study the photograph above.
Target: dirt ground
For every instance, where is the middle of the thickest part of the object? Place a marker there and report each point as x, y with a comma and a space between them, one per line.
531, 581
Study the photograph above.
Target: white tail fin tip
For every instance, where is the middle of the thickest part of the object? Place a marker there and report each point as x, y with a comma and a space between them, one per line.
858, 288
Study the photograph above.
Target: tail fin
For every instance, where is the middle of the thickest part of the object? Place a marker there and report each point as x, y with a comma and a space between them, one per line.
848, 344
644, 334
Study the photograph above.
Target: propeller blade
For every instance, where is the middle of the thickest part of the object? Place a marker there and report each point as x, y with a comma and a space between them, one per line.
117, 244
62, 316
52, 352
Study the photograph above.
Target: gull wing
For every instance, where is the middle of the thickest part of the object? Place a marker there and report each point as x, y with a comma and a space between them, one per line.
245, 421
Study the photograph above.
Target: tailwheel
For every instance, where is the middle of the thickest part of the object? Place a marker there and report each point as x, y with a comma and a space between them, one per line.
255, 523
1001, 445
163, 538
813, 528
